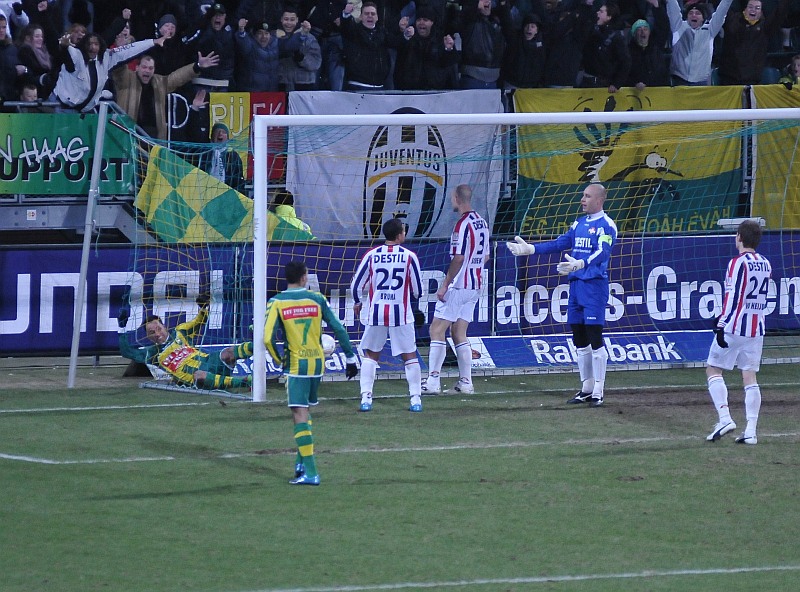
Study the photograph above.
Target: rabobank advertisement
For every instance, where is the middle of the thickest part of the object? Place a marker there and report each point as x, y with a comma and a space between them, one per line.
664, 294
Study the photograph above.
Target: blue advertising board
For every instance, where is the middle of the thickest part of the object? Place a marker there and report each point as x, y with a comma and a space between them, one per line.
658, 285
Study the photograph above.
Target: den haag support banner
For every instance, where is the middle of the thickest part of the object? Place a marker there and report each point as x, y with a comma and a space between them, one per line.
347, 181
51, 154
776, 192
666, 178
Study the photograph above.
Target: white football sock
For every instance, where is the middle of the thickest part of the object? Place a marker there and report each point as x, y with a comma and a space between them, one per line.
719, 395
368, 369
584, 355
752, 407
599, 363
436, 356
414, 377
464, 356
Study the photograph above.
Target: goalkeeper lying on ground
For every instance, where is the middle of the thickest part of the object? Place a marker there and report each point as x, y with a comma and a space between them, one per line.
175, 353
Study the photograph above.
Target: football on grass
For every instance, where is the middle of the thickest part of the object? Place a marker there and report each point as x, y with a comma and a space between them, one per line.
328, 344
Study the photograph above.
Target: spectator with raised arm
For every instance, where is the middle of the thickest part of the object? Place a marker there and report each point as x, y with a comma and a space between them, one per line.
143, 93
299, 70
15, 17
427, 59
366, 48
86, 69
215, 35
693, 41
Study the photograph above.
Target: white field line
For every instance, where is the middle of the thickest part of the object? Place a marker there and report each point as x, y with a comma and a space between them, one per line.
103, 408
541, 579
400, 449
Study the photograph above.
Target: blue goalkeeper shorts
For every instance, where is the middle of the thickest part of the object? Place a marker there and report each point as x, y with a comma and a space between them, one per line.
587, 302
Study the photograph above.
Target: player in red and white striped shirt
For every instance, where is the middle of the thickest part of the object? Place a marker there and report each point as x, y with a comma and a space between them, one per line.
739, 333
390, 274
459, 293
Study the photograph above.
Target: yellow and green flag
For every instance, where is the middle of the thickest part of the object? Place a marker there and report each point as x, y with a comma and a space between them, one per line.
183, 204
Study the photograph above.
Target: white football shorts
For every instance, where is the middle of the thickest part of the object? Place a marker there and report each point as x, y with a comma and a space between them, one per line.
458, 304
403, 338
742, 352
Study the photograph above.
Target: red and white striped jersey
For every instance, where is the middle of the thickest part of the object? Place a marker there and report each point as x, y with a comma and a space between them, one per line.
745, 299
471, 239
391, 276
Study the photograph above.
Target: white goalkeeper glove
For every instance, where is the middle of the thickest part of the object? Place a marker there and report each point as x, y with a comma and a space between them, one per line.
571, 264
520, 247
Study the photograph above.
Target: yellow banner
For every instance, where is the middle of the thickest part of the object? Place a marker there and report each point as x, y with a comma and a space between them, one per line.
626, 152
776, 195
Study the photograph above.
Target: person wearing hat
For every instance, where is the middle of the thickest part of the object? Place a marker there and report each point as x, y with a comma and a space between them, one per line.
693, 41
648, 64
747, 38
524, 64
218, 37
427, 59
175, 53
257, 58
221, 161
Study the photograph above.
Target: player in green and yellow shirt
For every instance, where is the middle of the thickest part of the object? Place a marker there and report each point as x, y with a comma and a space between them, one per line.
298, 313
173, 350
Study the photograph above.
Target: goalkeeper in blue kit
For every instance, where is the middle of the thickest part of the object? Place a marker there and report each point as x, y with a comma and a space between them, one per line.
590, 239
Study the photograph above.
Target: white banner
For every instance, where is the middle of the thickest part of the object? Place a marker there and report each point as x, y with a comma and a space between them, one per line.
348, 181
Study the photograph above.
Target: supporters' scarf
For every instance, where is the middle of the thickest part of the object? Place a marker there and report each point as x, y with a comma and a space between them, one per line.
41, 56
744, 14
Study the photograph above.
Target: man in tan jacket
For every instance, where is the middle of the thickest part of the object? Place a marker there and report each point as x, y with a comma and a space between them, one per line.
142, 94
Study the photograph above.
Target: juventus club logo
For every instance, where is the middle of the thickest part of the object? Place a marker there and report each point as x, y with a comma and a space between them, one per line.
405, 176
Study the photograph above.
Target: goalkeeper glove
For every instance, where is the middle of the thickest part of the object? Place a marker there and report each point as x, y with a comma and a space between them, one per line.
571, 264
203, 300
520, 247
351, 370
122, 318
719, 333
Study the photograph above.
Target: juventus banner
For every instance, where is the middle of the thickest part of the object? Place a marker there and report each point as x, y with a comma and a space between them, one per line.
362, 176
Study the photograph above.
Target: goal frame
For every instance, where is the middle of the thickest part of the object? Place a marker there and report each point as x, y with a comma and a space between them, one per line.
263, 123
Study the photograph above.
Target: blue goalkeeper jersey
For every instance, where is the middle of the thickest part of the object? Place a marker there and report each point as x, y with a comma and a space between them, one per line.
590, 238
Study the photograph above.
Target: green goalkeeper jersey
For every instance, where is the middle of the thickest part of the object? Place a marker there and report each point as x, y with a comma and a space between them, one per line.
177, 355
298, 313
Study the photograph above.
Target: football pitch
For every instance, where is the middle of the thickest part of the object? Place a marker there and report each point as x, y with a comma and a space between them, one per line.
109, 487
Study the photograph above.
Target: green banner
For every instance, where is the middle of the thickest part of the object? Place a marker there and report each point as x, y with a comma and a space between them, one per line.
678, 177
51, 154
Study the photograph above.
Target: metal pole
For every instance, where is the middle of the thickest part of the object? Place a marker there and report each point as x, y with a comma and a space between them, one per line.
94, 191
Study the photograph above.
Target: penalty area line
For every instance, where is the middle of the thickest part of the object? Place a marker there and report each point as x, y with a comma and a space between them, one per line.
102, 408
540, 579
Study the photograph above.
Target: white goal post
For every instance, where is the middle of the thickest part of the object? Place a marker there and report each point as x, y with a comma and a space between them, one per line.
264, 125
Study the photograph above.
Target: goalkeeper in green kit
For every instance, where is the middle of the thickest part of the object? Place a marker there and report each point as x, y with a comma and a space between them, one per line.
174, 352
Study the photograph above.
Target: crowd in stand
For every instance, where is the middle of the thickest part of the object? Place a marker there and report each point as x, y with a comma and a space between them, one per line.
75, 52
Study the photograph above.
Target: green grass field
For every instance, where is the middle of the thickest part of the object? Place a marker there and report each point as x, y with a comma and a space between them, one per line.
109, 487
